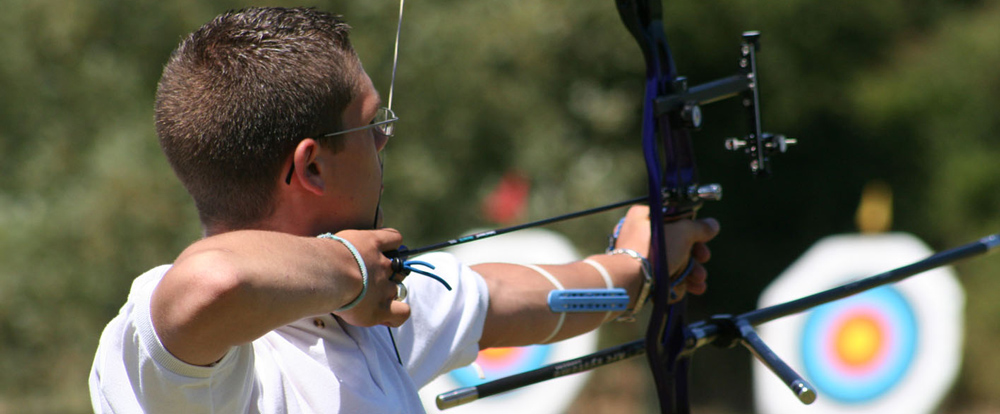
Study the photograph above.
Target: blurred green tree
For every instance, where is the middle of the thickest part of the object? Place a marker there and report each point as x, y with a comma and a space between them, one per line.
901, 91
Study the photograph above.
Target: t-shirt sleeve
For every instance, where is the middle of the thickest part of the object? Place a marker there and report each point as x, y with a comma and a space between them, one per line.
133, 370
445, 326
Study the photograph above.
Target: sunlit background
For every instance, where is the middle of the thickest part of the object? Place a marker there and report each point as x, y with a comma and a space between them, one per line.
901, 92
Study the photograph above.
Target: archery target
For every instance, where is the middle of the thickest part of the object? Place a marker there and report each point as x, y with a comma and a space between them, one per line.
501, 362
535, 246
858, 348
895, 348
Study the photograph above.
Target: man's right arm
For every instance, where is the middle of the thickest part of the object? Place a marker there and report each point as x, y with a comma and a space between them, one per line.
232, 288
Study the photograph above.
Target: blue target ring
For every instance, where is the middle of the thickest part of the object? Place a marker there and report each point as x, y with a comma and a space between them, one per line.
501, 362
858, 348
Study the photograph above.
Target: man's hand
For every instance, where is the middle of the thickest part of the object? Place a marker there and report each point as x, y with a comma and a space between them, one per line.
379, 306
686, 240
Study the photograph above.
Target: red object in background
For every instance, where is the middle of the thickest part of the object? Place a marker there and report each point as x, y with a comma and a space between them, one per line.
507, 202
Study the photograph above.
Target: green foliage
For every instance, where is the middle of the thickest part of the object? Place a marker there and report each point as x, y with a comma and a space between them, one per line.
939, 96
901, 91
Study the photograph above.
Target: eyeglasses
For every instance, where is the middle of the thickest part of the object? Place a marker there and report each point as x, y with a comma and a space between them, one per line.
384, 122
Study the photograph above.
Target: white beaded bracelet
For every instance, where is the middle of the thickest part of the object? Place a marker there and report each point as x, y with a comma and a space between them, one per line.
647, 284
361, 265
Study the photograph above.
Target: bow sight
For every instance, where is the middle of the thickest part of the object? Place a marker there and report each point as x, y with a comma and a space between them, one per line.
671, 110
685, 107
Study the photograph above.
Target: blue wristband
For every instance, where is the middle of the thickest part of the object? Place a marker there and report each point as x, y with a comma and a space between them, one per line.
588, 300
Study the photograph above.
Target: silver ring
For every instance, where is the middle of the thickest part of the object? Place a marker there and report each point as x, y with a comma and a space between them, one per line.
400, 292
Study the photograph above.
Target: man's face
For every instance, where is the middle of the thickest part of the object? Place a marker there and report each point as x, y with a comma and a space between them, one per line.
355, 180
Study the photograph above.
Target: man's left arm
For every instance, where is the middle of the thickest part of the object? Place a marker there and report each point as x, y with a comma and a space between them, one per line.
518, 311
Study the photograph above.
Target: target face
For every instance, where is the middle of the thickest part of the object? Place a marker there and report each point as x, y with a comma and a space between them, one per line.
896, 348
501, 362
858, 348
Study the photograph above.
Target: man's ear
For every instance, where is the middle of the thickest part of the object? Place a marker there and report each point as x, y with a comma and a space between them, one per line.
307, 169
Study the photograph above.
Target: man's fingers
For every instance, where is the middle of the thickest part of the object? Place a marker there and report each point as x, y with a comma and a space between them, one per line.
383, 240
696, 281
399, 312
388, 239
701, 253
397, 277
705, 229
638, 211
701, 230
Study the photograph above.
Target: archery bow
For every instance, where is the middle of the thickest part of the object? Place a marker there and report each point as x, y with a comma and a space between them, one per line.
644, 21
670, 109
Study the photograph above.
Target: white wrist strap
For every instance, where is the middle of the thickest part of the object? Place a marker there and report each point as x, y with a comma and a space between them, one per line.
361, 265
607, 281
562, 315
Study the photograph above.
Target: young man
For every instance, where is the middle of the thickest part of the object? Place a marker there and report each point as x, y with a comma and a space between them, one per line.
274, 128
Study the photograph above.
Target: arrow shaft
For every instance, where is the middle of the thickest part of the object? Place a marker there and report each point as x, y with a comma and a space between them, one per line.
505, 230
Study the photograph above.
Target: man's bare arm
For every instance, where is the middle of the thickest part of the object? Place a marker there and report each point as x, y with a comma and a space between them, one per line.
519, 314
232, 288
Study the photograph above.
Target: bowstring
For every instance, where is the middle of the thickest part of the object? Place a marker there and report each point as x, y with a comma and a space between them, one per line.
392, 85
395, 53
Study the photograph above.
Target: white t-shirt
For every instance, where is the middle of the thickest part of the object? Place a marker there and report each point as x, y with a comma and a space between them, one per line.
315, 365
